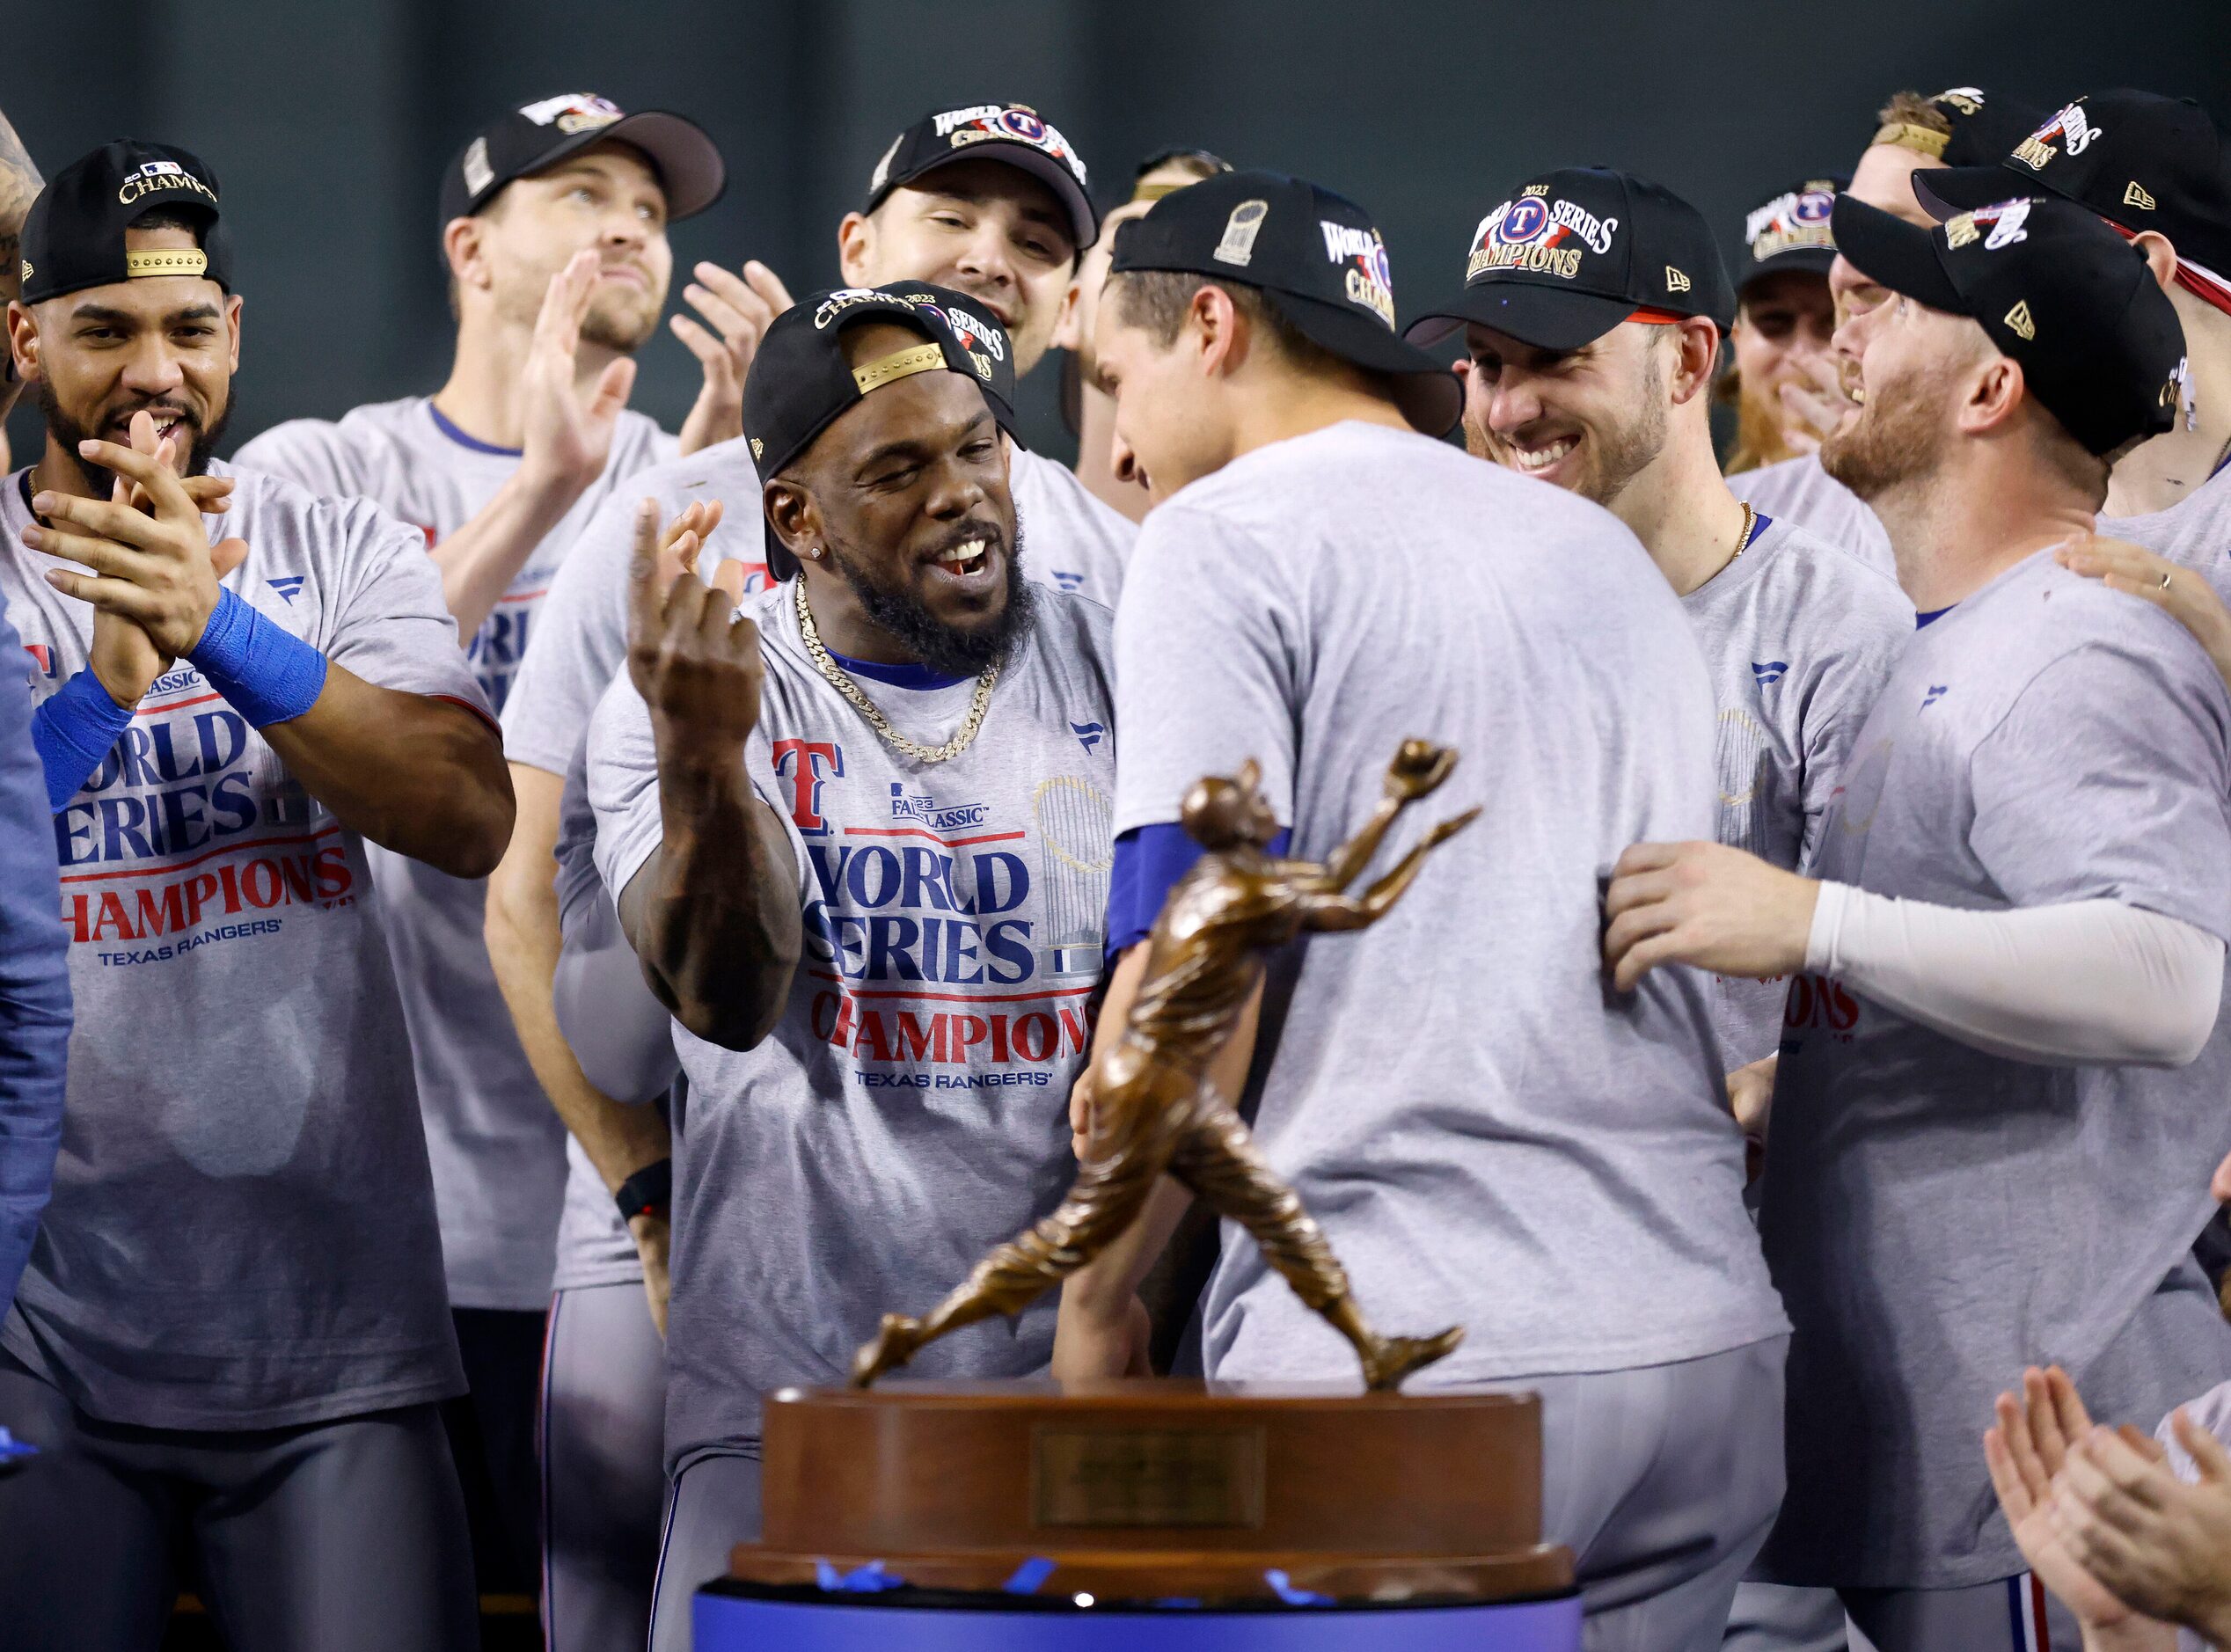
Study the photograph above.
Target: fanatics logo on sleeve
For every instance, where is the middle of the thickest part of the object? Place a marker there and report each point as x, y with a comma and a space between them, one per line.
1769, 672
1088, 734
287, 588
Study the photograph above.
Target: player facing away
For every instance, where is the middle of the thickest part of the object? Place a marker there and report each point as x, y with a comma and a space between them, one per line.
1154, 1111
988, 203
1449, 1091
860, 840
554, 224
232, 1339
1592, 311
2037, 796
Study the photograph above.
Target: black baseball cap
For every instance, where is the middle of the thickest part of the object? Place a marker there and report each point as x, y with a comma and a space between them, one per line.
800, 383
536, 136
1014, 133
2056, 289
1318, 260
1790, 229
1575, 253
73, 237
2136, 158
1985, 126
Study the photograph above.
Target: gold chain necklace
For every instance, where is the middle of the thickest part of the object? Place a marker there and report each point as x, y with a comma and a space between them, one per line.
1750, 527
867, 708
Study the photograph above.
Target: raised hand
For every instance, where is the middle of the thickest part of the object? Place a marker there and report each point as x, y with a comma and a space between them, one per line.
681, 545
740, 309
1820, 406
564, 441
153, 567
2027, 1451
697, 666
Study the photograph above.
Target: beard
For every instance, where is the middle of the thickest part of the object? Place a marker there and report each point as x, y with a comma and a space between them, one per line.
622, 330
1622, 454
952, 650
1895, 438
66, 433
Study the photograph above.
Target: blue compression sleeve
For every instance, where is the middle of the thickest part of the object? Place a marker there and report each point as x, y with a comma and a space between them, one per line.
267, 673
1149, 861
72, 731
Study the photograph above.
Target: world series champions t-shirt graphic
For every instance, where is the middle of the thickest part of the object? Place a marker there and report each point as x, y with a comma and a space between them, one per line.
498, 1147
910, 1111
242, 1233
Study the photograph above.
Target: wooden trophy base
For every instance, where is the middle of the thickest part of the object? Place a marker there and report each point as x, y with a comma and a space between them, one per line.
1158, 1491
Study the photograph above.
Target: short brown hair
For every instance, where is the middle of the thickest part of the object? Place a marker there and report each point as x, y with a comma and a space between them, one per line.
1156, 301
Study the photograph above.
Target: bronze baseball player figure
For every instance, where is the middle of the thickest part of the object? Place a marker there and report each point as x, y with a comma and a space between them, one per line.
1156, 1112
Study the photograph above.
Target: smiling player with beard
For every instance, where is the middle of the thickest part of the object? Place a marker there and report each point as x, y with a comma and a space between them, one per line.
859, 839
230, 1340
989, 203
2003, 1068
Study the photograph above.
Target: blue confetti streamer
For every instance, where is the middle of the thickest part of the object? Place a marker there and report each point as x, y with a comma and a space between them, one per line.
866, 1580
1284, 1587
1028, 1575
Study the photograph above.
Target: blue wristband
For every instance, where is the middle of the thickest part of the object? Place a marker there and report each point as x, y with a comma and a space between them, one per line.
268, 673
72, 731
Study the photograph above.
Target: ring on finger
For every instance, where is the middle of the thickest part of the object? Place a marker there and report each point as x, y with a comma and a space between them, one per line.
2165, 579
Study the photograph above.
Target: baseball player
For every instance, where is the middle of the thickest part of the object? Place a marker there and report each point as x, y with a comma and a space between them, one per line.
1591, 313
554, 229
1960, 126
1090, 411
2159, 171
1987, 1149
974, 199
1483, 1139
860, 845
230, 1342
1782, 322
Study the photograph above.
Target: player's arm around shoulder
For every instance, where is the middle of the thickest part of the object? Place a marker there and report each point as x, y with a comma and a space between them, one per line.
712, 910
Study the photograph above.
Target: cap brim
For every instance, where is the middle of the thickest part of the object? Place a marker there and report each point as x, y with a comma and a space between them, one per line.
1427, 393
689, 168
1815, 260
1557, 318
1945, 192
1084, 223
1893, 254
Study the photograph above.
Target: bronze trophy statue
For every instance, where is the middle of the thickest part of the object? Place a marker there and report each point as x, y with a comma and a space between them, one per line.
1154, 1109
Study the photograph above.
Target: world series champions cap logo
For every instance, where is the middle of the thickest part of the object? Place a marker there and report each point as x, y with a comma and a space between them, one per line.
1368, 281
1533, 235
1798, 219
2070, 124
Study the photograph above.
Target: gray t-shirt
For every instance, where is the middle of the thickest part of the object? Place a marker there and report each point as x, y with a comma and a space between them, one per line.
1489, 1135
2195, 531
242, 1233
1799, 491
497, 1146
1070, 540
910, 1110
1799, 637
1937, 1218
